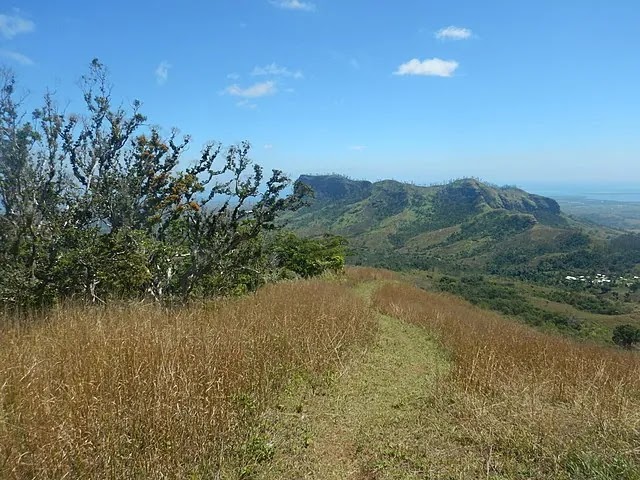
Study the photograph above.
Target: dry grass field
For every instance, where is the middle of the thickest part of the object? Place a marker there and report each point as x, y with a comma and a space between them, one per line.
518, 403
366, 377
140, 392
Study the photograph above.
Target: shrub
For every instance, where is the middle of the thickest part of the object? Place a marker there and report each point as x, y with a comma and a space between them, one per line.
626, 335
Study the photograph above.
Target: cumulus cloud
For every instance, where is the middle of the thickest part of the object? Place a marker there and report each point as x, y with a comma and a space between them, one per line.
294, 5
162, 72
275, 70
256, 90
12, 25
434, 67
16, 57
453, 33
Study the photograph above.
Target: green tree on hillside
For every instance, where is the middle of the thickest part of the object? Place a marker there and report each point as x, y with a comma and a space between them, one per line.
308, 257
97, 204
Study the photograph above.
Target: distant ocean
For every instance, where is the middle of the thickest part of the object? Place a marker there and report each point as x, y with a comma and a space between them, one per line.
611, 193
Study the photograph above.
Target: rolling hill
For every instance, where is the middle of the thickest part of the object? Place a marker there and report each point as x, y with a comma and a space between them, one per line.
466, 226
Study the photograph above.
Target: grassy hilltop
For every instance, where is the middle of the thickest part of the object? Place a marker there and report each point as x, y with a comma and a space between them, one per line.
363, 376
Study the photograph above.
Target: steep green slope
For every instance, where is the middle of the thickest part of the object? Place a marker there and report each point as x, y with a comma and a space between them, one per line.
463, 226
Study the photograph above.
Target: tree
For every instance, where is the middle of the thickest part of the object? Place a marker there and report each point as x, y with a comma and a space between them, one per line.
626, 335
97, 205
308, 257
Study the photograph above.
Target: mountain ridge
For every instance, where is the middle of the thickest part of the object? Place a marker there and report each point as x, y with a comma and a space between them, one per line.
465, 225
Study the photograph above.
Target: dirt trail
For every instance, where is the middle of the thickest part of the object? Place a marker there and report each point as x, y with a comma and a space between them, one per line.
363, 424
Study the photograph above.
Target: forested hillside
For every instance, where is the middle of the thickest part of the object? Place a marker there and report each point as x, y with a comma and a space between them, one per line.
463, 226
498, 247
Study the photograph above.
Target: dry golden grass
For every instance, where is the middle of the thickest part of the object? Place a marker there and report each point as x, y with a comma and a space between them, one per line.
519, 403
357, 275
138, 392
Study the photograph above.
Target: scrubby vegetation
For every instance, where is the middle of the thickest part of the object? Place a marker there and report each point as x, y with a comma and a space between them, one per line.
508, 300
308, 257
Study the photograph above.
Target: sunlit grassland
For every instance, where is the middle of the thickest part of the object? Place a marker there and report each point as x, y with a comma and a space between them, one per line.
135, 391
520, 403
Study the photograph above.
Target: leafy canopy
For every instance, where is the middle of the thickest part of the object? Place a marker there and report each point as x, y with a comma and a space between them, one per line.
97, 204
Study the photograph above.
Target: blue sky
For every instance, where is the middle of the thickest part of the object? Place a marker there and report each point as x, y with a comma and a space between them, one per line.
510, 91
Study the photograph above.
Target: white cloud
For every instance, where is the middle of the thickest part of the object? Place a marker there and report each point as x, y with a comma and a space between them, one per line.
434, 67
162, 72
12, 25
357, 148
245, 103
16, 57
453, 33
233, 76
294, 5
275, 70
268, 146
254, 91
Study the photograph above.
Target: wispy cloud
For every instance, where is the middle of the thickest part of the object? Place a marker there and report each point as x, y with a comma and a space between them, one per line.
357, 148
233, 76
12, 25
433, 67
245, 103
268, 146
275, 70
453, 33
294, 5
16, 57
256, 90
162, 72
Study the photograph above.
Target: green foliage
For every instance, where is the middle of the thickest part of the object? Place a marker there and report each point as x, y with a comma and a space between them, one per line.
626, 335
496, 224
308, 257
505, 299
96, 205
586, 302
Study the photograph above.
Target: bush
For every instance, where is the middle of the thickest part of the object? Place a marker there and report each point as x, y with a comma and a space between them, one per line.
626, 335
308, 257
95, 205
